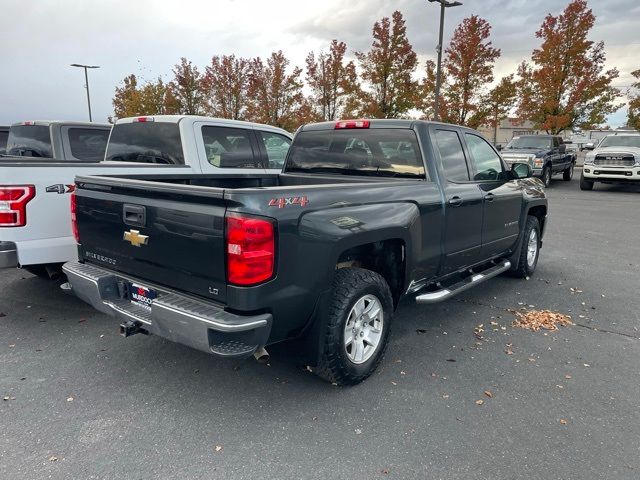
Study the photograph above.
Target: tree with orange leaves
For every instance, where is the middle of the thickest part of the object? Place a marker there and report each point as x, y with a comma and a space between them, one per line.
565, 85
331, 80
633, 115
225, 87
467, 70
275, 96
387, 70
186, 87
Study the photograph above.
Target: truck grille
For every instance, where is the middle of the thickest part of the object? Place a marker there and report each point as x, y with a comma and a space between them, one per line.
615, 160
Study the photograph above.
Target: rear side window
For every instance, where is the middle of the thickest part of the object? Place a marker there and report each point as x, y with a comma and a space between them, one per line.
452, 156
146, 142
88, 143
382, 152
229, 147
276, 146
4, 135
29, 141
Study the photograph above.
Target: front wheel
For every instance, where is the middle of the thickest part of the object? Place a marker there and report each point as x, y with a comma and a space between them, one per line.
567, 175
529, 250
546, 176
358, 325
585, 184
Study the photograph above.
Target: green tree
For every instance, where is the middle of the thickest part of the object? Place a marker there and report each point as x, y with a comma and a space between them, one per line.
633, 115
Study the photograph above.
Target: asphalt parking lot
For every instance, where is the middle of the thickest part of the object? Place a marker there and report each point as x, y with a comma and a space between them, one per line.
82, 402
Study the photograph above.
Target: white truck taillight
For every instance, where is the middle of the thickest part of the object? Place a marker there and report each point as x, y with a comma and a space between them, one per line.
13, 204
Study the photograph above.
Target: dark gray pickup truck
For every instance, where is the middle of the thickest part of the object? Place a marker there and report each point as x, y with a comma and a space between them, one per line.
363, 214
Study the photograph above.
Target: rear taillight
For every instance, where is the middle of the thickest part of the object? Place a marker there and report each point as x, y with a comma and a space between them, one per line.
74, 218
13, 204
250, 250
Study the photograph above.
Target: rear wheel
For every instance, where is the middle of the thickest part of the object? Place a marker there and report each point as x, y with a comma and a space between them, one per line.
529, 250
585, 184
358, 326
567, 175
546, 176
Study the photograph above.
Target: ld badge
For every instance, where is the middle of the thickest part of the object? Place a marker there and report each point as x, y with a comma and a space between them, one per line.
135, 239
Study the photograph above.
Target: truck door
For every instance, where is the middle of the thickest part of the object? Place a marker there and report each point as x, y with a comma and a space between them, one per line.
463, 202
502, 197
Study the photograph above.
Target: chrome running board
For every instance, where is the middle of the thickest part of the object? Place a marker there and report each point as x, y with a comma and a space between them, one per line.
465, 284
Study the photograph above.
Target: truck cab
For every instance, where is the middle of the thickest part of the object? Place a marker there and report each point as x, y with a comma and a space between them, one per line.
546, 154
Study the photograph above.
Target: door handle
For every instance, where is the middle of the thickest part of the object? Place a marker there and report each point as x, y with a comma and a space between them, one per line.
489, 197
455, 201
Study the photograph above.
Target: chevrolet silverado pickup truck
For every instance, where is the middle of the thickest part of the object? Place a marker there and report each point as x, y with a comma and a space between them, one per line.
546, 154
615, 160
364, 213
35, 221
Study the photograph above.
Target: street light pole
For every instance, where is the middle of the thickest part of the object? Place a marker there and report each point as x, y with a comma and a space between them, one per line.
86, 83
443, 4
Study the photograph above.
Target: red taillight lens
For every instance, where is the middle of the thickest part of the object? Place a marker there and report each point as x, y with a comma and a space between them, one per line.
250, 250
352, 124
74, 218
13, 204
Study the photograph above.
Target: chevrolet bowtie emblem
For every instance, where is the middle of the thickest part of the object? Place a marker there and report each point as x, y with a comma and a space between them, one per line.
135, 239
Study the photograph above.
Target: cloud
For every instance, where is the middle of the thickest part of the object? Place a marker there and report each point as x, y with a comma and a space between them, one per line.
147, 37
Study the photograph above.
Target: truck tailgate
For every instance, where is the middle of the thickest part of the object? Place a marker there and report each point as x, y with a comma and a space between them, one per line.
148, 235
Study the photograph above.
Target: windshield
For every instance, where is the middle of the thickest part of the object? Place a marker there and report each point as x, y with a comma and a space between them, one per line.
530, 141
621, 141
29, 141
145, 142
379, 152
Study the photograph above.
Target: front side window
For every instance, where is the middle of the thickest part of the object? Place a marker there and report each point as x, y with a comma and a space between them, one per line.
452, 156
88, 143
276, 146
146, 142
229, 147
485, 159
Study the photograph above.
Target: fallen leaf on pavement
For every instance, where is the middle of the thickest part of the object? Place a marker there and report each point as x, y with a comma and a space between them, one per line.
488, 393
218, 448
567, 376
53, 459
563, 421
479, 402
384, 471
536, 319
70, 399
358, 431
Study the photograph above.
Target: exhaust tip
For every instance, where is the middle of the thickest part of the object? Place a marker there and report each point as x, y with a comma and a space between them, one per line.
261, 355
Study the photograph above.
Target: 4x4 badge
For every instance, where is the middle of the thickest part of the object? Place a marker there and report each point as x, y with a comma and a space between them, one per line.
60, 188
135, 239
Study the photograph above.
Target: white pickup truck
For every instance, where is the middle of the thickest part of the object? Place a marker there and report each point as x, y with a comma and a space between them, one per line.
616, 159
35, 217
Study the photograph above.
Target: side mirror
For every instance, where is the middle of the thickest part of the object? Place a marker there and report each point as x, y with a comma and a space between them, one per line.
521, 170
563, 148
498, 147
589, 146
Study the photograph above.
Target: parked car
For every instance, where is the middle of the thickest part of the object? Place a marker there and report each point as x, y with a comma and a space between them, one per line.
364, 213
4, 134
546, 154
60, 140
616, 159
35, 222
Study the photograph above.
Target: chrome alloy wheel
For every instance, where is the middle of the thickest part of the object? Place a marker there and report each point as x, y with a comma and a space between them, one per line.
363, 329
532, 248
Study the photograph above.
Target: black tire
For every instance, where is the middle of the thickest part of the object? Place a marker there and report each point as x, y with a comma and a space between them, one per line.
524, 268
585, 184
349, 286
546, 176
567, 175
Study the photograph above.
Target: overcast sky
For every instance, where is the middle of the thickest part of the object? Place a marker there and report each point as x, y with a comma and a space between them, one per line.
40, 38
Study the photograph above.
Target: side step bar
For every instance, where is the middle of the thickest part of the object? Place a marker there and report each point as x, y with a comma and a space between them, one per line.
461, 286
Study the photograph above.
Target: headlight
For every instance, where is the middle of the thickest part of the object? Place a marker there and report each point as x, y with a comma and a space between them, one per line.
538, 162
589, 158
